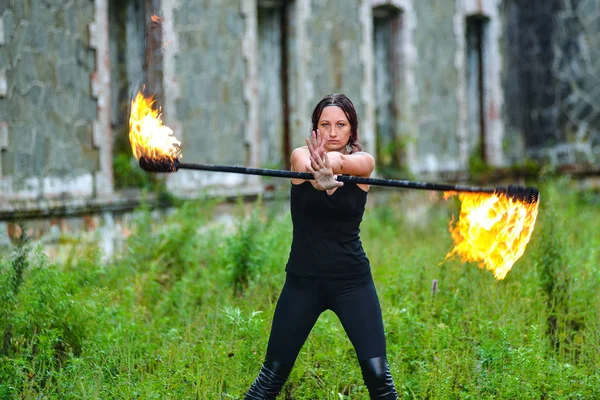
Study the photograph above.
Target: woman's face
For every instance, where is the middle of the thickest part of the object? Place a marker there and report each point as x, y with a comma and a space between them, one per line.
336, 128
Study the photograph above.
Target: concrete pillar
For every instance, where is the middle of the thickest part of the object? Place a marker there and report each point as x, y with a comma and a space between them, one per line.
367, 125
171, 83
305, 90
102, 133
251, 97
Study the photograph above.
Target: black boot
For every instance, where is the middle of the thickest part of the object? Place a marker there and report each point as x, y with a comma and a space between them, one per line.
377, 377
268, 383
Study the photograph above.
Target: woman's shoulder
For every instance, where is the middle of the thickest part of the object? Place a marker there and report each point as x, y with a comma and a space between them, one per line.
360, 163
300, 150
298, 161
300, 153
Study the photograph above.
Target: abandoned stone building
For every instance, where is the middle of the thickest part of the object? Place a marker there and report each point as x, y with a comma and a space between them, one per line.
437, 84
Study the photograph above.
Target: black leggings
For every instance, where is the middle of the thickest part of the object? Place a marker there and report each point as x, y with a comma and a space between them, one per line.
302, 300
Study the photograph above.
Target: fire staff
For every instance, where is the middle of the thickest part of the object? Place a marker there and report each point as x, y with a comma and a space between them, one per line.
327, 266
490, 218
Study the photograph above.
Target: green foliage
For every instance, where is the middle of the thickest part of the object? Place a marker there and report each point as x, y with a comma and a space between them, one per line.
46, 323
244, 251
553, 257
390, 158
478, 166
128, 174
554, 271
184, 309
529, 167
249, 251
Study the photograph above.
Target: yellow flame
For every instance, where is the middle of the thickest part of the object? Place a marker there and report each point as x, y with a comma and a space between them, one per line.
492, 230
148, 136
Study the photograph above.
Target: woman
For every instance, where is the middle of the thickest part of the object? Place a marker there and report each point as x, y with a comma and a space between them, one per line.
327, 267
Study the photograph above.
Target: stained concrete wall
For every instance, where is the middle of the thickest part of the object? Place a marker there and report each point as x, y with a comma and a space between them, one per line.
329, 50
436, 81
326, 46
550, 80
211, 72
323, 49
205, 63
334, 31
53, 138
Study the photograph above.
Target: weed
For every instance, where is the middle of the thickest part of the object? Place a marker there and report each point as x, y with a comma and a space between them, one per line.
160, 320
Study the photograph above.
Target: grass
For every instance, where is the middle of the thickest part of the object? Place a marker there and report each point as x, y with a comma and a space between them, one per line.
184, 311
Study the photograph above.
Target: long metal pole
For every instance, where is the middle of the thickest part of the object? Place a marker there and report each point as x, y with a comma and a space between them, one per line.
340, 178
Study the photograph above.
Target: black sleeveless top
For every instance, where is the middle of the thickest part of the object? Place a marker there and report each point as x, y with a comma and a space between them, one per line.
326, 242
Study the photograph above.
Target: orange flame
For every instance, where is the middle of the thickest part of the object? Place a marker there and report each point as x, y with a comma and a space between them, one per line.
493, 230
148, 136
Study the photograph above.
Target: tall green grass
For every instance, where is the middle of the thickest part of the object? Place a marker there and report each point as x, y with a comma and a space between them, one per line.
184, 310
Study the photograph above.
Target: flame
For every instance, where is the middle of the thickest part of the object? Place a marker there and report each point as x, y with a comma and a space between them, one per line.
148, 136
156, 18
492, 229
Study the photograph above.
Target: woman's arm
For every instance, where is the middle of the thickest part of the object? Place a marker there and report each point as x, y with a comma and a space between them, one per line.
317, 164
325, 165
356, 164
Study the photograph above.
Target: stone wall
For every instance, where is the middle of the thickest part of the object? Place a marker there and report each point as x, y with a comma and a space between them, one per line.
551, 75
52, 140
441, 105
208, 104
327, 56
577, 69
436, 80
334, 31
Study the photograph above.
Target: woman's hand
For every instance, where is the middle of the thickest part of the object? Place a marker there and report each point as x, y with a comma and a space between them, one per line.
319, 165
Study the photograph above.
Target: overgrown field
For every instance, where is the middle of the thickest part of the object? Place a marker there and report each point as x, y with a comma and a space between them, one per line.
184, 311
